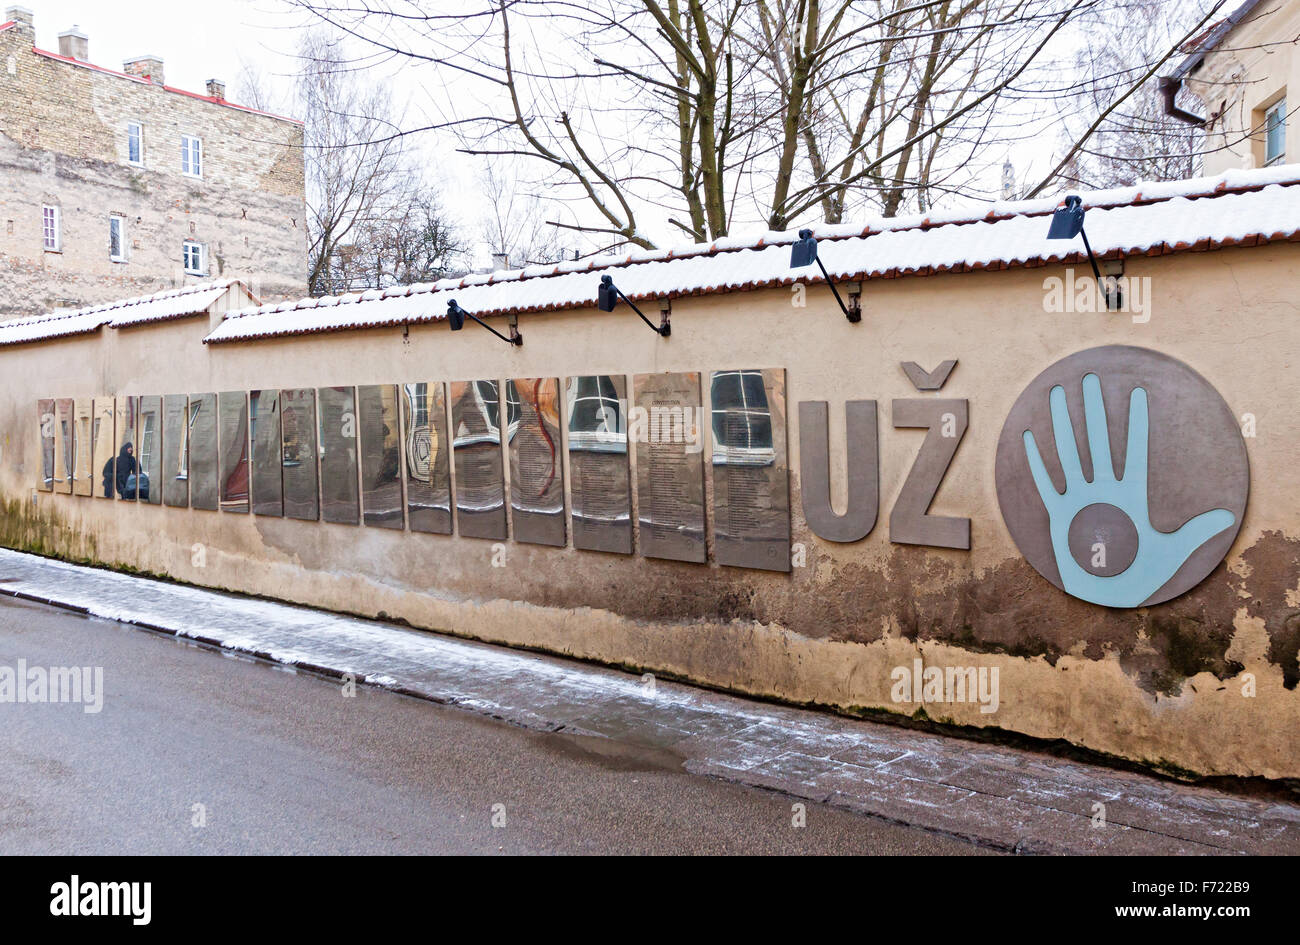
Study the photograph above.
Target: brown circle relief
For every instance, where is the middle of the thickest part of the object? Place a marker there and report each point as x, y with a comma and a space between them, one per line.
1196, 475
1103, 539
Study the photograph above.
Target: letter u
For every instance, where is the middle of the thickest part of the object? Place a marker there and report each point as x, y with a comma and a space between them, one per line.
862, 470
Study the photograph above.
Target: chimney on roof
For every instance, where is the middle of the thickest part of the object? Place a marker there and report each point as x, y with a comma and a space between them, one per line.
500, 261
22, 16
217, 89
146, 67
75, 45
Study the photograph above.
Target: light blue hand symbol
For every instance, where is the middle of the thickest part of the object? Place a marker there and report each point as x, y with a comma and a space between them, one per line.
1159, 554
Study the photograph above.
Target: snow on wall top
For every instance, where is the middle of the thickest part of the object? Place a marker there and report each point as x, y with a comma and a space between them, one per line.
161, 306
1235, 207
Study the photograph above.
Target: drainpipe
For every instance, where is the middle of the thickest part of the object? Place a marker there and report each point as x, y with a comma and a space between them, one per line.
1170, 87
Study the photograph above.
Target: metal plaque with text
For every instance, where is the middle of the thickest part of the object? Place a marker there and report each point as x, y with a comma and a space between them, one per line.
536, 460
82, 477
476, 448
149, 450
64, 445
428, 465
670, 467
298, 475
264, 425
47, 423
232, 440
103, 450
201, 452
600, 481
751, 482
175, 432
381, 456
336, 411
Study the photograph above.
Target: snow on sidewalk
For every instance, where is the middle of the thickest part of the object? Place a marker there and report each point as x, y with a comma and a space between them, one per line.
1002, 797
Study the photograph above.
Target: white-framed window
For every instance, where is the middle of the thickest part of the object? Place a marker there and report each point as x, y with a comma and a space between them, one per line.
196, 258
117, 238
135, 143
148, 443
191, 156
1275, 133
52, 228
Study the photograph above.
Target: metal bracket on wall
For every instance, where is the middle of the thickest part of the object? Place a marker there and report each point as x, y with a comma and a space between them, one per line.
1112, 274
513, 322
854, 313
665, 317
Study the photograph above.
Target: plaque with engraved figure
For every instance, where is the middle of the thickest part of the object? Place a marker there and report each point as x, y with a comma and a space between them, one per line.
427, 465
264, 428
381, 456
751, 483
298, 454
103, 450
476, 449
175, 431
232, 440
598, 462
201, 452
82, 477
336, 411
670, 466
536, 460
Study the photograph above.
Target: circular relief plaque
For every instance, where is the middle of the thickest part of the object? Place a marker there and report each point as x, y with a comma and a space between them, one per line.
1122, 476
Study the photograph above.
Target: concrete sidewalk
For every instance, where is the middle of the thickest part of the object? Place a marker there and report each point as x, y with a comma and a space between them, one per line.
1001, 797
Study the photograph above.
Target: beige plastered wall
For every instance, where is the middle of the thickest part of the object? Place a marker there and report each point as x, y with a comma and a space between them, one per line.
1163, 686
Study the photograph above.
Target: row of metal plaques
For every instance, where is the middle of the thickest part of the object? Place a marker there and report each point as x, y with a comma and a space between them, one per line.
385, 454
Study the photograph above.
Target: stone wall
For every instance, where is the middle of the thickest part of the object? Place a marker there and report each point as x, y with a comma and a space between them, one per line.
63, 141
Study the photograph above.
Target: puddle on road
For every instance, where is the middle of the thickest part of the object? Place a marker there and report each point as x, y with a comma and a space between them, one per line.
612, 753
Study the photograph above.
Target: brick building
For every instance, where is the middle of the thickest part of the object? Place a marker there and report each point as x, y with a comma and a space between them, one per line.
114, 184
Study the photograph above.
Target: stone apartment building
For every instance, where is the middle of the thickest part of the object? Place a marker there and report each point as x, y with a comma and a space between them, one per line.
1241, 68
114, 184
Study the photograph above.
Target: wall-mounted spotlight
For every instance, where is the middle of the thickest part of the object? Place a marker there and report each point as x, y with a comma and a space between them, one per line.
457, 315
609, 294
804, 253
1067, 223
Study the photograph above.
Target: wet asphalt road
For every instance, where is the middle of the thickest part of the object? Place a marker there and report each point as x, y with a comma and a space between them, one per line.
283, 763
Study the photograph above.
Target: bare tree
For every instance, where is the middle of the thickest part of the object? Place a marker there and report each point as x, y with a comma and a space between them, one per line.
252, 88
1137, 140
705, 113
890, 101
407, 242
374, 220
514, 223
355, 165
1115, 131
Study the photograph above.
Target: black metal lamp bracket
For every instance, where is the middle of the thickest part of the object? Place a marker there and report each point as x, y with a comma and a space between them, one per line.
664, 328
515, 338
852, 311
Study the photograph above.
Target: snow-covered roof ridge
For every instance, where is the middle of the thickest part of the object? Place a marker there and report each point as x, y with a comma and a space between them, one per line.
1235, 208
169, 303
